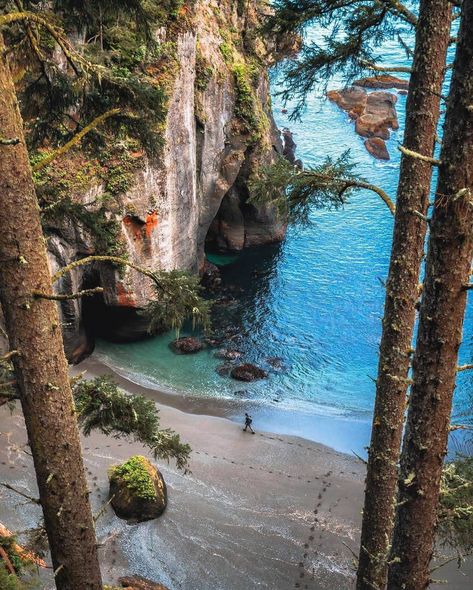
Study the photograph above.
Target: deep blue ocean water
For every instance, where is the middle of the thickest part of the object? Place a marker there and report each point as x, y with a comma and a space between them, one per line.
315, 301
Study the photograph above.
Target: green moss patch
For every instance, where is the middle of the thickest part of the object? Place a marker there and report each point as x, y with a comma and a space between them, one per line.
135, 474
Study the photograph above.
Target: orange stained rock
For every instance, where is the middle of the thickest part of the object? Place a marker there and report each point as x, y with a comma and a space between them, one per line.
151, 223
124, 297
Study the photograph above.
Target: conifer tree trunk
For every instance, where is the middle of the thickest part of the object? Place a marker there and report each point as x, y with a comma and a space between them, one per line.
34, 331
422, 113
442, 311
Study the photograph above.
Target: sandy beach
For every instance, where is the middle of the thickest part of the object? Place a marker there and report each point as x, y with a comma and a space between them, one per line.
264, 511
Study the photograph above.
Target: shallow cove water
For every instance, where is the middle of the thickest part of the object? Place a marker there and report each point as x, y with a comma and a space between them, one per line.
315, 301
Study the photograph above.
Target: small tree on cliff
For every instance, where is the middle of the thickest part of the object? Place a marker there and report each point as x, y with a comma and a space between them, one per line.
446, 285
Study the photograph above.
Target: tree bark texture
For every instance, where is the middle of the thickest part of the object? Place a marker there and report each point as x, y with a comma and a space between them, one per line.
439, 336
422, 114
34, 330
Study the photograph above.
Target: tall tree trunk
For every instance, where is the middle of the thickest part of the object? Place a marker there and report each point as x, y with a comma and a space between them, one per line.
34, 331
442, 311
432, 38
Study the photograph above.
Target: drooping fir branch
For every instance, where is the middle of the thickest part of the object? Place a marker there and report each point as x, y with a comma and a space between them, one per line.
294, 193
177, 294
102, 84
355, 29
381, 68
74, 58
102, 406
69, 296
177, 298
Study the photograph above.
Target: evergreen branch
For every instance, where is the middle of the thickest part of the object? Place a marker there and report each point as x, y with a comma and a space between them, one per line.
446, 562
72, 56
12, 489
408, 50
416, 155
102, 406
113, 259
293, 192
380, 68
373, 188
400, 10
32, 38
13, 141
8, 355
177, 294
76, 139
103, 508
69, 296
420, 215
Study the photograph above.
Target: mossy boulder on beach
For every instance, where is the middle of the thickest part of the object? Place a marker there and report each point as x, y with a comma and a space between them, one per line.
137, 489
139, 583
136, 583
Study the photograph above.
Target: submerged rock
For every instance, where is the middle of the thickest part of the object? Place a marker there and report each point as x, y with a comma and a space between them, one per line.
228, 355
137, 490
211, 278
187, 345
276, 362
377, 148
241, 393
248, 372
224, 369
139, 583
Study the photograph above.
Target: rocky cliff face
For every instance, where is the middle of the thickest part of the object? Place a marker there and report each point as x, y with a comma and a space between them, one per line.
218, 130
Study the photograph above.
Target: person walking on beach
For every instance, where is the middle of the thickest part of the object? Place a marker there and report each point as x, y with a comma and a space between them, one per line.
248, 421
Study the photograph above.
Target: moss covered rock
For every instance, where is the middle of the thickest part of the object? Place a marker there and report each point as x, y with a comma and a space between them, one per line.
139, 583
137, 489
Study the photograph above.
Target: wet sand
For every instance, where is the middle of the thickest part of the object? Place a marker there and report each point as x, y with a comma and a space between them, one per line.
258, 511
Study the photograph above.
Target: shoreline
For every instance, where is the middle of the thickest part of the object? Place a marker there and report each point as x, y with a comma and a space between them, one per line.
349, 436
268, 511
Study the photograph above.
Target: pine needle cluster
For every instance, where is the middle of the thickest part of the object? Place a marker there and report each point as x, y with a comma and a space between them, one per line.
177, 299
294, 193
354, 31
102, 406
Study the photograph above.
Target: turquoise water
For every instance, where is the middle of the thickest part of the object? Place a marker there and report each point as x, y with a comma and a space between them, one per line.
315, 301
